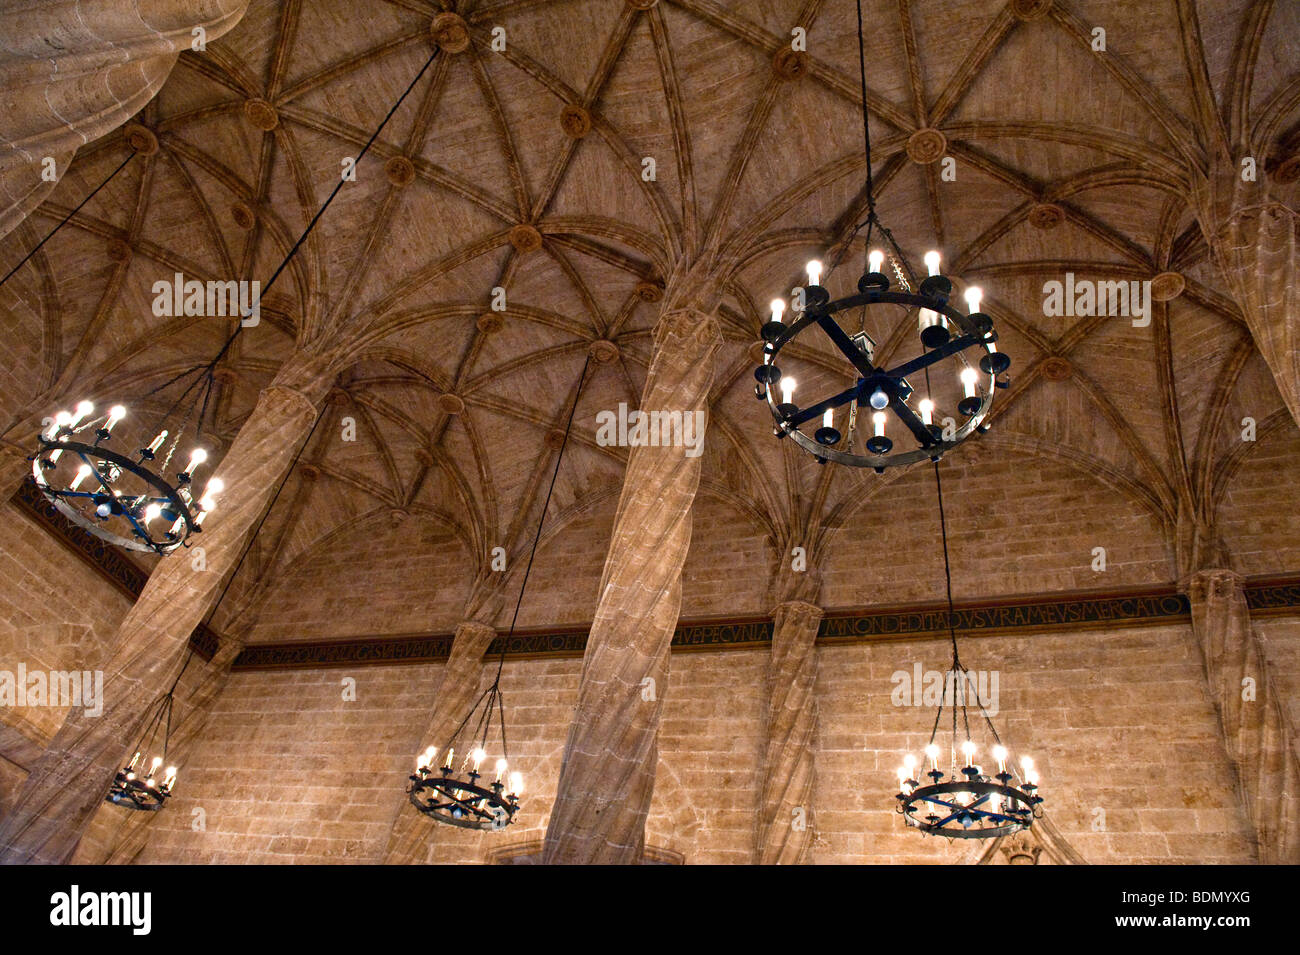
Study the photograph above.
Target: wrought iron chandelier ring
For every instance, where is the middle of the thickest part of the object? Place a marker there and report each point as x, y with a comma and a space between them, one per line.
102, 462
878, 387
130, 792
996, 808
462, 802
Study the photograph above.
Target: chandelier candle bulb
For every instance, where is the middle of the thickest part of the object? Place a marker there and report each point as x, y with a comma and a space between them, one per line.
83, 409
196, 458
932, 262
516, 784
968, 378
501, 769
814, 272
61, 420
875, 260
152, 511
932, 751
478, 755
170, 779
83, 472
974, 295
451, 755
968, 750
115, 414
828, 418
787, 390
157, 442
778, 309
927, 411
878, 419
1000, 754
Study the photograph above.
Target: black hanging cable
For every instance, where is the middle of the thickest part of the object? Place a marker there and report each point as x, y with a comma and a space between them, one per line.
26, 258
252, 538
582, 380
306, 232
493, 692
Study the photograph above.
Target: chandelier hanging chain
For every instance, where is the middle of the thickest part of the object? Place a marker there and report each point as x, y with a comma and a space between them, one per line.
66, 219
582, 381
252, 538
284, 263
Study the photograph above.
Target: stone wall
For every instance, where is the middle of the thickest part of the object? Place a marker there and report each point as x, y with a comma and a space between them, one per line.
289, 772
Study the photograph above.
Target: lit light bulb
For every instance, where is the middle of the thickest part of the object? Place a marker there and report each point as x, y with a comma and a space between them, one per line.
61, 420
879, 400
932, 751
968, 379
115, 414
83, 472
814, 272
451, 755
778, 309
787, 390
828, 418
215, 487
875, 260
83, 409
1027, 764
157, 442
878, 419
927, 411
478, 755
968, 750
501, 769
516, 784
1000, 754
152, 511
1031, 777
910, 762
974, 295
134, 759
169, 780
197, 458
902, 778
932, 262
153, 767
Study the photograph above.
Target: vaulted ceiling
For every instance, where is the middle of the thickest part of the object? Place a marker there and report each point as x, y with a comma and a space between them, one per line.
1066, 159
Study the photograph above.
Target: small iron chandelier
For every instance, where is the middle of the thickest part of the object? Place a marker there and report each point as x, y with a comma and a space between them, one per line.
966, 338
456, 794
137, 784
143, 500
963, 800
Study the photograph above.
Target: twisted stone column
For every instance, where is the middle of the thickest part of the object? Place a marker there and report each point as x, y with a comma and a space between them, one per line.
116, 837
785, 813
1255, 731
607, 777
1253, 239
75, 70
409, 842
66, 787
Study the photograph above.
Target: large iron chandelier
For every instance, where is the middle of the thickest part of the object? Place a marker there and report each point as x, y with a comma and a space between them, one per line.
457, 793
931, 416
142, 499
964, 798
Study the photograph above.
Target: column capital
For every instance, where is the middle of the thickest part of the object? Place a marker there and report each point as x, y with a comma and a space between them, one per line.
800, 610
691, 326
1213, 582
